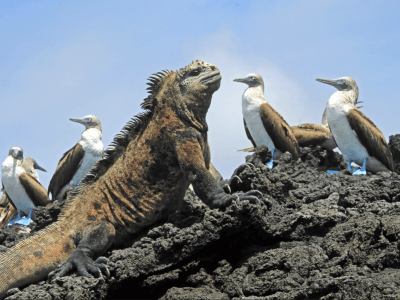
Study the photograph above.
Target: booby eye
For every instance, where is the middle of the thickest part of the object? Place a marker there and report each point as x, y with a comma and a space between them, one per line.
194, 73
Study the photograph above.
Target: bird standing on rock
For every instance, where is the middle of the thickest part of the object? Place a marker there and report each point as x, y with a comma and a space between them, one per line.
7, 208
263, 124
23, 189
77, 162
357, 137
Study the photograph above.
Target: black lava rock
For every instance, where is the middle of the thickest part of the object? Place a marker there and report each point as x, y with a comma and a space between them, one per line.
312, 236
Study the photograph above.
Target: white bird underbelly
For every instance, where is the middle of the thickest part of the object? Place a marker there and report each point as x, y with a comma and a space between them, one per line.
10, 178
93, 147
87, 162
251, 115
347, 139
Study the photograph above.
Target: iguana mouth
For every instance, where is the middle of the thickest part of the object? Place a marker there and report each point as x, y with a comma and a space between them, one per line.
211, 78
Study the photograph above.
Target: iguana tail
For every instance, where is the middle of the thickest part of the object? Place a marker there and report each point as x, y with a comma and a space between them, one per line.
31, 260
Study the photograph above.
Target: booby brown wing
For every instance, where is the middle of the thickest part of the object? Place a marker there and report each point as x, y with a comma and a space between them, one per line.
279, 131
310, 134
36, 192
66, 168
370, 137
248, 134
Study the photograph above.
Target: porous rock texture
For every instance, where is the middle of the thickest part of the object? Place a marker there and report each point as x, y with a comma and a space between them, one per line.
312, 236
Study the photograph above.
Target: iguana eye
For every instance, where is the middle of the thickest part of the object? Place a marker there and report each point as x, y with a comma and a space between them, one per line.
194, 73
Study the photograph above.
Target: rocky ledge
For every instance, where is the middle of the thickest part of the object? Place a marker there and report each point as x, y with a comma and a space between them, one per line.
313, 236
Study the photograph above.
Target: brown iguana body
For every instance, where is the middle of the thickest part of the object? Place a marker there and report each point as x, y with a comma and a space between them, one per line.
142, 179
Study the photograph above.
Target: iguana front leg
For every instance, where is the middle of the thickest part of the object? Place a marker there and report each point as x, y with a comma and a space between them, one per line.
207, 188
94, 240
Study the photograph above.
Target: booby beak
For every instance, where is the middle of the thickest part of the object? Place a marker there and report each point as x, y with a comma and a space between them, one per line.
240, 80
337, 83
36, 166
81, 121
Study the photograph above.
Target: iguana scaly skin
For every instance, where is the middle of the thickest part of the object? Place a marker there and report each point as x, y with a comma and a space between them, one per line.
141, 180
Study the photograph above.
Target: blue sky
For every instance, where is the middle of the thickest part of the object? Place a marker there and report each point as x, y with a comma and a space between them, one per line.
68, 59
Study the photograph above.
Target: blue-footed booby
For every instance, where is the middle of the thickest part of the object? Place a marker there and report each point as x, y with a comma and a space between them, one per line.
23, 190
263, 124
309, 134
318, 135
77, 162
357, 137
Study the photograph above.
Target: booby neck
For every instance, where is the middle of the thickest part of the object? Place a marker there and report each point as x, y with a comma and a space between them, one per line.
253, 94
10, 160
344, 99
90, 134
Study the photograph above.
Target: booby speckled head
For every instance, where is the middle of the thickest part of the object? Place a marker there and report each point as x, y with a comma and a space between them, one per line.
89, 121
16, 152
29, 163
342, 84
345, 84
252, 80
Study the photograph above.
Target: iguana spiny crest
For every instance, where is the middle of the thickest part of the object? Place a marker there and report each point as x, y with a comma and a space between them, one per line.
189, 84
141, 180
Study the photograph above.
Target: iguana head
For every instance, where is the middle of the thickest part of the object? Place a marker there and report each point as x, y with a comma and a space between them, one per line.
197, 77
190, 90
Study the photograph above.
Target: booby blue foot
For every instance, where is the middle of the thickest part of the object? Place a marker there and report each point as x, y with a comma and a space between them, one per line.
270, 164
363, 170
349, 165
330, 172
26, 220
15, 220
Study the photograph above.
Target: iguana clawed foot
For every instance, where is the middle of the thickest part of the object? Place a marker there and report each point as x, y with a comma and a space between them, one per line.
252, 196
225, 199
84, 264
235, 177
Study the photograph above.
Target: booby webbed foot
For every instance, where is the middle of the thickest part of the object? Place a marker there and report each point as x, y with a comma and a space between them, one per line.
26, 220
270, 164
84, 264
15, 220
363, 170
330, 172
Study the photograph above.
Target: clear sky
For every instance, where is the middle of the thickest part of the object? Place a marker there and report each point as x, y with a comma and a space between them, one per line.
68, 59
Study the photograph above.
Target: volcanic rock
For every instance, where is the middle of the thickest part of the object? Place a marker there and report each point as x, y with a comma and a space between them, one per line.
312, 236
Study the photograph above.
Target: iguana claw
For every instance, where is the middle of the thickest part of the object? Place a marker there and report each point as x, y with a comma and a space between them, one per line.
227, 188
84, 264
237, 178
225, 200
251, 196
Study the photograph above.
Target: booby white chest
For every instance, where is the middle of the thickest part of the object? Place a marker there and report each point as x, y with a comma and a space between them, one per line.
345, 137
251, 101
93, 146
10, 171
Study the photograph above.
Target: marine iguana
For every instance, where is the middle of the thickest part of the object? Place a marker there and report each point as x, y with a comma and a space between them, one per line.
141, 180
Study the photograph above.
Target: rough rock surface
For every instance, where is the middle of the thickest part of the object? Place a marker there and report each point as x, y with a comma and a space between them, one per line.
313, 236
